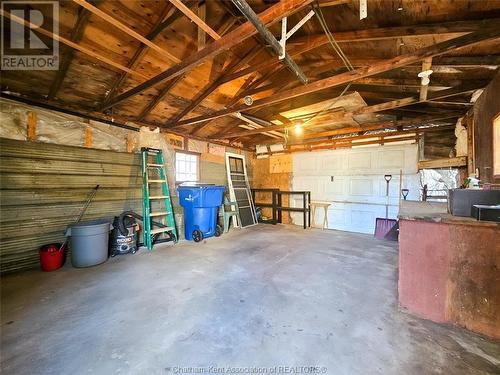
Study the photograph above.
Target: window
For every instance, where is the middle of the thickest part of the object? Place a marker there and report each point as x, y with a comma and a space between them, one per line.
186, 167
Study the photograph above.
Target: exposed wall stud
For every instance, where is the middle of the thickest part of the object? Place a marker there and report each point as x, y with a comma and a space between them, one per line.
31, 126
88, 137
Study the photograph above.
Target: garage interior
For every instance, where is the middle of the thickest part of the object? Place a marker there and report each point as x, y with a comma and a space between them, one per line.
256, 186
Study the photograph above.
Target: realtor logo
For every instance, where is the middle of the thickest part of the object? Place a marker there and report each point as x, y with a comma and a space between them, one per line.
28, 28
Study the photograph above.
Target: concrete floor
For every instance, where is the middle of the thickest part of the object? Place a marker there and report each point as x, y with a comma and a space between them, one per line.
264, 296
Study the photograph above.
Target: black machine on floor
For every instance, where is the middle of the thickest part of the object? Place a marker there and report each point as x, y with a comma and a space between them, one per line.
124, 236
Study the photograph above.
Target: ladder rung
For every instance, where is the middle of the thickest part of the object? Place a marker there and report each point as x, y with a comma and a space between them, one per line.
159, 197
164, 213
157, 181
155, 165
161, 230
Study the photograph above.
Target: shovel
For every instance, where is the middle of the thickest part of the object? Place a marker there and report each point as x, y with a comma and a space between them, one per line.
384, 225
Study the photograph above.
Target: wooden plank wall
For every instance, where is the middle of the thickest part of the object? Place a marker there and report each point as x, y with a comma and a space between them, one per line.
43, 187
486, 109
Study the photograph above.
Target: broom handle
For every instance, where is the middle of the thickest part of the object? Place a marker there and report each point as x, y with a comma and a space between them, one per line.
87, 203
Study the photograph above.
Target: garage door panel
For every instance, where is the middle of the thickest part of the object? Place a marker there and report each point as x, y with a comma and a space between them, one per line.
391, 159
359, 161
335, 187
333, 164
337, 217
312, 184
364, 220
361, 187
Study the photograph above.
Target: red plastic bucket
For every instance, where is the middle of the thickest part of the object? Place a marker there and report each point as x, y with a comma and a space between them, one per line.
51, 258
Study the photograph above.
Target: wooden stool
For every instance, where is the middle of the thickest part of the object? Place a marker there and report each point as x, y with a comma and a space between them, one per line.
325, 206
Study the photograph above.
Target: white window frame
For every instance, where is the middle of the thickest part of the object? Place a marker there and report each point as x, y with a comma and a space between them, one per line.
183, 172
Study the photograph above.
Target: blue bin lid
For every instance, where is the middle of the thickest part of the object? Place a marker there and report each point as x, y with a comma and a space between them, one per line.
199, 185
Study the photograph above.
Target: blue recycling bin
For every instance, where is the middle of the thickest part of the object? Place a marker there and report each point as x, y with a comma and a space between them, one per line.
201, 203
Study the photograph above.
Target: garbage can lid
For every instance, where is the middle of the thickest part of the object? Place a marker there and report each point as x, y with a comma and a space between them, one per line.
90, 223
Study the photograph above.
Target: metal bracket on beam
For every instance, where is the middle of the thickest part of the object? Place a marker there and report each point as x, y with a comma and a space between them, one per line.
286, 35
250, 15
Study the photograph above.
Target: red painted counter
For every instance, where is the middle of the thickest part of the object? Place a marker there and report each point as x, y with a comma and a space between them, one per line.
449, 267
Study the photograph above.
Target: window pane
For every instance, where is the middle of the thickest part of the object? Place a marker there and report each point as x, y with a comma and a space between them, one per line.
186, 167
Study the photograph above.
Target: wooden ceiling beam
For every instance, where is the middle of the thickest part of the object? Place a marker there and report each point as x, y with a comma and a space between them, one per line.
202, 35
127, 30
158, 98
436, 96
268, 17
211, 87
438, 128
269, 38
71, 44
419, 121
169, 15
367, 110
248, 85
76, 36
318, 70
331, 3
349, 144
168, 87
197, 20
351, 76
302, 45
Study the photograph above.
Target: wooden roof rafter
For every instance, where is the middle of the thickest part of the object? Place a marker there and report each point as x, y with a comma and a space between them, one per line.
303, 45
351, 76
78, 47
211, 87
194, 103
193, 17
372, 109
119, 25
76, 36
238, 35
168, 15
244, 91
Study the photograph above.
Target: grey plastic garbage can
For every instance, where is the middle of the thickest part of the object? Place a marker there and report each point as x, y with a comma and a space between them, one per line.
89, 242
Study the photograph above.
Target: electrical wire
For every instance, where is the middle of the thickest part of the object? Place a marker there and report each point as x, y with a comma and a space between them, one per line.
343, 57
338, 50
319, 15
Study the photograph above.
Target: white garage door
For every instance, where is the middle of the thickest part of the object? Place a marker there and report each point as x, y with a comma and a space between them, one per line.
353, 181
